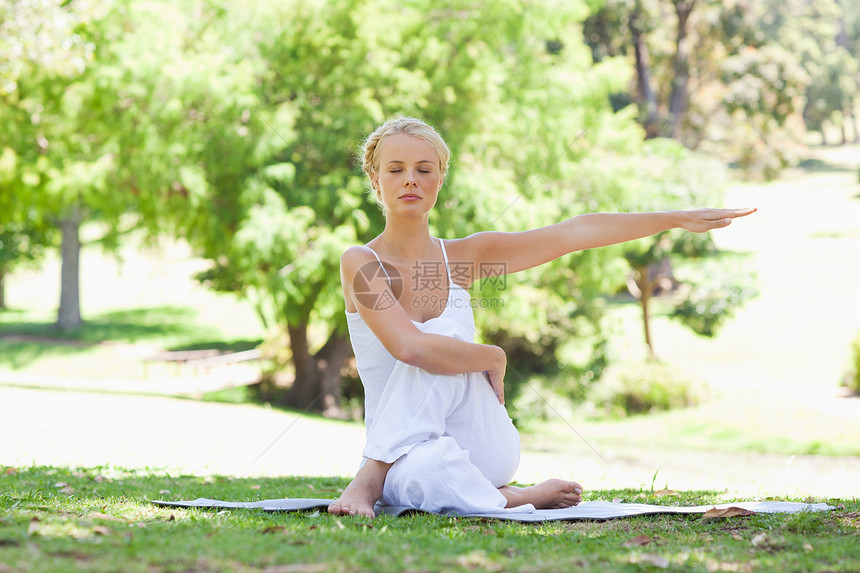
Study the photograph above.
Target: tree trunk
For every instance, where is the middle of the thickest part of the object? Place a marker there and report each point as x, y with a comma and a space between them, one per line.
642, 285
842, 32
647, 97
646, 322
853, 119
317, 385
681, 68
69, 314
2, 288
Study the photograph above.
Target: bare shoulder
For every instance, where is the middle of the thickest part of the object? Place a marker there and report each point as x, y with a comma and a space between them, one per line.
354, 257
351, 262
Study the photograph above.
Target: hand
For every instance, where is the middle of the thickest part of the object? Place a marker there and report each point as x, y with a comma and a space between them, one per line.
496, 375
704, 220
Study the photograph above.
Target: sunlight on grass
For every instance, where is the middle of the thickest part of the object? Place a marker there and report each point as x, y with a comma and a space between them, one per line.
99, 518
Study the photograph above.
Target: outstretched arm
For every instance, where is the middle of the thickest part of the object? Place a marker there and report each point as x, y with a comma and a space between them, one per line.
527, 249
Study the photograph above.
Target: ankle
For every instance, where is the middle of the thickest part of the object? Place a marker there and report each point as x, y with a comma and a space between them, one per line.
372, 475
513, 496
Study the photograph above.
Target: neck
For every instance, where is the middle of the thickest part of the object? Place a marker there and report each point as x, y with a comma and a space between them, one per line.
406, 238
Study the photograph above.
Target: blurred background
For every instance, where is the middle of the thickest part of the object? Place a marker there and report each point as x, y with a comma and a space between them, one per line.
178, 180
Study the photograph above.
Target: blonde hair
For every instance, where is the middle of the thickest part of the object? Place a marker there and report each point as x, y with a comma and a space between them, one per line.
402, 125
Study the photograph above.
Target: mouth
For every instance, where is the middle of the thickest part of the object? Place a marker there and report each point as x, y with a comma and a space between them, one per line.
410, 197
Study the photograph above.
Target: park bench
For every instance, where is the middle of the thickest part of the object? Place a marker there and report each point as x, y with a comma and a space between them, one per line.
209, 361
177, 357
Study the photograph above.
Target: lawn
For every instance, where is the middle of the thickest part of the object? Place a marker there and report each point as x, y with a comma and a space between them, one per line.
99, 519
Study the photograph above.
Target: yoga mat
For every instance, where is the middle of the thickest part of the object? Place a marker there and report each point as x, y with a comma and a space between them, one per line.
594, 510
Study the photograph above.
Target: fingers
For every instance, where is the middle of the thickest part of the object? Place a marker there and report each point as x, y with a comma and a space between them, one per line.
723, 215
499, 390
744, 212
705, 220
499, 387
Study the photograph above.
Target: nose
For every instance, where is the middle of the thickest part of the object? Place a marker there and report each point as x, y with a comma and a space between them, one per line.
410, 180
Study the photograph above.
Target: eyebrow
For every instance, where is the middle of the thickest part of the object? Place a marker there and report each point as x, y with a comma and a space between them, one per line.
403, 162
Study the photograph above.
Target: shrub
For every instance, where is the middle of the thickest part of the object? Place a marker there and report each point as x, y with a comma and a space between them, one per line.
641, 387
853, 378
714, 295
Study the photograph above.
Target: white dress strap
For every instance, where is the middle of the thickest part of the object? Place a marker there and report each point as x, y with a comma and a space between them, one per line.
383, 266
447, 266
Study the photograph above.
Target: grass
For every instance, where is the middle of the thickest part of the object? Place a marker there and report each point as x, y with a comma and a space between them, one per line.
134, 303
714, 426
103, 346
100, 519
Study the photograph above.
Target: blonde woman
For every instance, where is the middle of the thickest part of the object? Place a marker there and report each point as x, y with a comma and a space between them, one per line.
438, 435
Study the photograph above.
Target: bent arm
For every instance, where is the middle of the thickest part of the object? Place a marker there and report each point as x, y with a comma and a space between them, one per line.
527, 249
440, 354
434, 353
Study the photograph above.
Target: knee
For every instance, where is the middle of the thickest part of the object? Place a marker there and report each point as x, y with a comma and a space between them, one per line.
431, 457
500, 463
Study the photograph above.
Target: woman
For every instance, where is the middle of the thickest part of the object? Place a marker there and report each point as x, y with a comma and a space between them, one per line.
438, 436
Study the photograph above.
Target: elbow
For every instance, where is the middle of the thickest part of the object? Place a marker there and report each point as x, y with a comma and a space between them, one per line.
408, 351
410, 357
417, 351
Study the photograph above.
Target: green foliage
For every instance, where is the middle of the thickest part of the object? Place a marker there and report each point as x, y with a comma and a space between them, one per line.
714, 294
853, 377
764, 93
235, 127
668, 176
758, 70
511, 110
627, 389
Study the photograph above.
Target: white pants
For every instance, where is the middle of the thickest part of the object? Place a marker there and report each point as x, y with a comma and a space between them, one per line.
452, 443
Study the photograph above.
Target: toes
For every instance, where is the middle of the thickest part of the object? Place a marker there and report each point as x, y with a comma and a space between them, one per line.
345, 508
566, 503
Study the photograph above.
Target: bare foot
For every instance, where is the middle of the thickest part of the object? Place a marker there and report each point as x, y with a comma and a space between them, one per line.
362, 493
551, 494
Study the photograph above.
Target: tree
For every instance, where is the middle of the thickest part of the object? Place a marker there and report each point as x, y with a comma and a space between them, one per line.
60, 101
623, 27
23, 235
822, 43
508, 88
662, 175
118, 133
733, 81
848, 38
37, 39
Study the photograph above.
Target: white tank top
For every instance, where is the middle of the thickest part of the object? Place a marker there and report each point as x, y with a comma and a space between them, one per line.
373, 360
